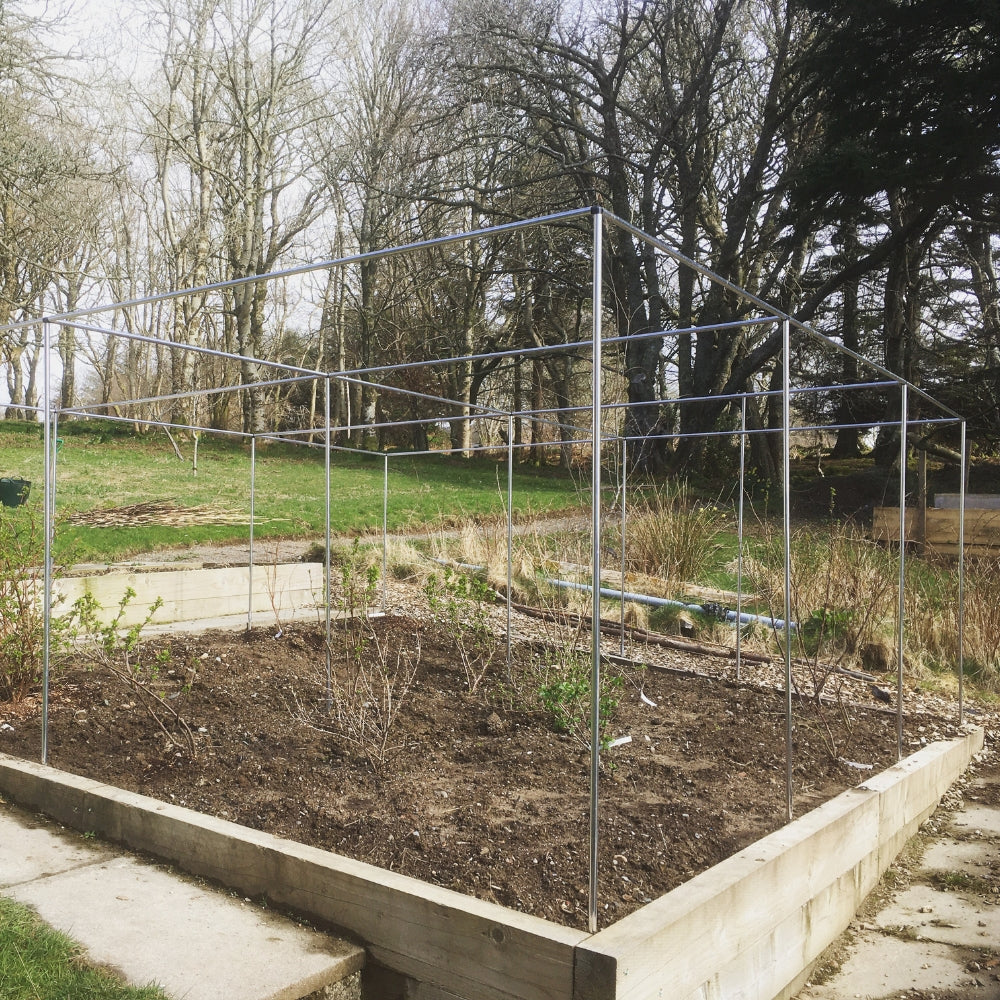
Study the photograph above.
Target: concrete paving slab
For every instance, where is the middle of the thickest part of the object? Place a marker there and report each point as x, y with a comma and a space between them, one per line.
927, 940
884, 966
974, 858
979, 819
945, 917
31, 849
196, 943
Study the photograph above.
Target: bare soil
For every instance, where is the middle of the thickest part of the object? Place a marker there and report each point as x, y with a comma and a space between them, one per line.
476, 791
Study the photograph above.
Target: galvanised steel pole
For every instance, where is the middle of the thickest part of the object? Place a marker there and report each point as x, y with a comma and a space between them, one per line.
786, 493
595, 506
510, 529
47, 522
901, 594
963, 486
326, 539
385, 532
739, 538
624, 482
253, 506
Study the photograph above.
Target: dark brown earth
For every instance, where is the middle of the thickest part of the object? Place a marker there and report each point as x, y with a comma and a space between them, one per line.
478, 792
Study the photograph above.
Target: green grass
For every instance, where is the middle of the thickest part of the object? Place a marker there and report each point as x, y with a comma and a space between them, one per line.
38, 963
96, 470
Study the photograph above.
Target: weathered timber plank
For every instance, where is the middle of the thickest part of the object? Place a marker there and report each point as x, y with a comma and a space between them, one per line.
982, 527
445, 940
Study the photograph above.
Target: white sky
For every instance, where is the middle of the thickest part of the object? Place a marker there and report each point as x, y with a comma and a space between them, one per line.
91, 29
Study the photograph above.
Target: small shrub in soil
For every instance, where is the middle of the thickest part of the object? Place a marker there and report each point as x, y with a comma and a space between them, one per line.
22, 621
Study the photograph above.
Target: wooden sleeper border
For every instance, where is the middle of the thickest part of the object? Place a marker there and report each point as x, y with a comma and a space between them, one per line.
750, 927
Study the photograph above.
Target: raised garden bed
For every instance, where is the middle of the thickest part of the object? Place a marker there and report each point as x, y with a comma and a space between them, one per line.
478, 792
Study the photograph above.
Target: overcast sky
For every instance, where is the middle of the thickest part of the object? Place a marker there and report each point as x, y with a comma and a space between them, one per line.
91, 28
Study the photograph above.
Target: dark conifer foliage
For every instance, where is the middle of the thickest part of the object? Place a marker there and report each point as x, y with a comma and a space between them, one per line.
907, 92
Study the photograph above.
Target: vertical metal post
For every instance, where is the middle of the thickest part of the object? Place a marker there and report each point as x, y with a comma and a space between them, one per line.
385, 533
595, 506
253, 509
47, 521
739, 540
786, 492
963, 486
624, 479
901, 608
326, 538
510, 529
55, 469
52, 506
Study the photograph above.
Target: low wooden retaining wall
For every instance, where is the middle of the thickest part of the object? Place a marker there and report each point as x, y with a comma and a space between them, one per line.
754, 925
751, 927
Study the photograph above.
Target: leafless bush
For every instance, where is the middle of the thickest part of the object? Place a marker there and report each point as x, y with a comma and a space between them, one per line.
22, 618
843, 593
118, 652
369, 692
369, 679
459, 605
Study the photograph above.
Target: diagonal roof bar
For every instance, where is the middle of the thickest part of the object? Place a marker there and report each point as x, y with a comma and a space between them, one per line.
504, 227
776, 314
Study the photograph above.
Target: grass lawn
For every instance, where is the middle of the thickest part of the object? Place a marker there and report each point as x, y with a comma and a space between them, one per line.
38, 963
96, 470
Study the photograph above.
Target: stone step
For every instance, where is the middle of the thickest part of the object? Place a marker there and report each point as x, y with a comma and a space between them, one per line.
154, 925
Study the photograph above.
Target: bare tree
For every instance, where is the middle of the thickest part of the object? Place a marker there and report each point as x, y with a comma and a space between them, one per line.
177, 177
679, 117
270, 191
372, 161
44, 158
230, 133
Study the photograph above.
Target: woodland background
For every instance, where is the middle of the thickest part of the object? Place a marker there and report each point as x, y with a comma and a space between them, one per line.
838, 158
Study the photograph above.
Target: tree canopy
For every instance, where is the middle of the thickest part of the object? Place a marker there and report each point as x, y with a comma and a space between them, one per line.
838, 158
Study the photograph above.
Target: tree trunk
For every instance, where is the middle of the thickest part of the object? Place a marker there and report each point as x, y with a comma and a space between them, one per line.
901, 316
848, 444
765, 449
561, 389
517, 404
537, 402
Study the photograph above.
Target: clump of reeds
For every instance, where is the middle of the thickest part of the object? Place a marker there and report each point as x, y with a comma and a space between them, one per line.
671, 536
932, 618
845, 602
